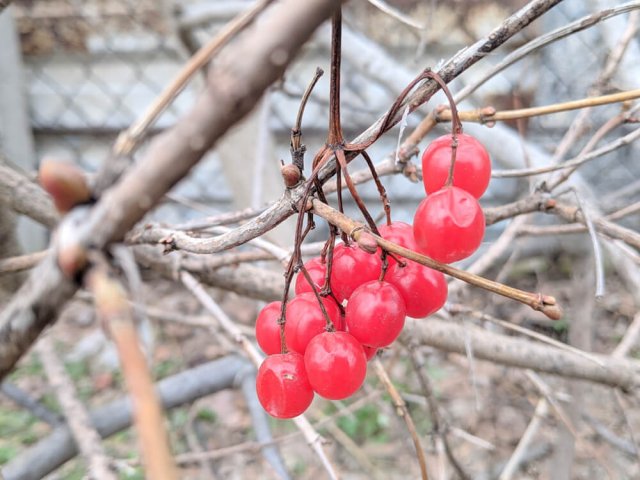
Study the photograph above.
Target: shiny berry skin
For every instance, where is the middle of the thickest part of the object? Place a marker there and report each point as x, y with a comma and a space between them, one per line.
375, 314
267, 328
304, 320
351, 268
317, 270
283, 386
400, 233
471, 172
336, 365
423, 289
449, 225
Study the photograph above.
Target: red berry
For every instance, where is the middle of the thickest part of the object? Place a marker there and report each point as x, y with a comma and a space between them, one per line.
449, 225
336, 365
283, 386
423, 289
351, 268
267, 328
472, 170
304, 320
317, 270
400, 233
375, 314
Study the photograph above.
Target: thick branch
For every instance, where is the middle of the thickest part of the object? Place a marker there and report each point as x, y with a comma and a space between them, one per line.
25, 197
234, 88
245, 280
519, 353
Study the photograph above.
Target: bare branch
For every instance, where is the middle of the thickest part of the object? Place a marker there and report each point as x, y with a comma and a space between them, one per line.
76, 415
234, 87
51, 452
22, 195
520, 353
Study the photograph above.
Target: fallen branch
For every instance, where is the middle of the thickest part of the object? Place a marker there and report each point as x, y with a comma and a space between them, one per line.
51, 452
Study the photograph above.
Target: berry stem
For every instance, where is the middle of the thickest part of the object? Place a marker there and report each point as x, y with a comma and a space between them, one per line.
456, 125
297, 148
335, 136
330, 327
381, 190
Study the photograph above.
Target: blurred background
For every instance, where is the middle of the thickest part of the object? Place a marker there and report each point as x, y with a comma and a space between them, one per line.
75, 73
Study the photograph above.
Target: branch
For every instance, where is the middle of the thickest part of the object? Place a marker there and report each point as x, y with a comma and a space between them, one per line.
488, 114
75, 414
51, 452
23, 196
519, 353
245, 280
543, 303
574, 214
116, 315
234, 88
21, 262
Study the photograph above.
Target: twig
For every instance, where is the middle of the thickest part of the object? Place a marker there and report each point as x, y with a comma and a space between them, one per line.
245, 280
574, 227
610, 437
489, 114
312, 437
513, 464
85, 436
472, 439
220, 219
495, 250
434, 413
130, 138
629, 340
22, 262
543, 303
546, 391
114, 311
623, 410
402, 411
574, 162
574, 214
597, 253
255, 446
583, 23
392, 12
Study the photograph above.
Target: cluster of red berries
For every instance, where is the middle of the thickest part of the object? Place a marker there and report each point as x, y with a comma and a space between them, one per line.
327, 346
